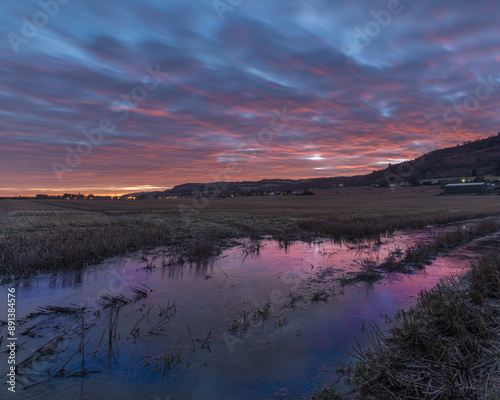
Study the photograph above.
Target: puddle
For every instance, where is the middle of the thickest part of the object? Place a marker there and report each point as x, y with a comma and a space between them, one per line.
245, 325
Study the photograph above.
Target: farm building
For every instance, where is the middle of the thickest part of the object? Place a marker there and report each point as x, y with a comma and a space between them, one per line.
476, 187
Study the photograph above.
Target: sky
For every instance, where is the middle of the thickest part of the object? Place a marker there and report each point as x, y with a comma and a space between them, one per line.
122, 96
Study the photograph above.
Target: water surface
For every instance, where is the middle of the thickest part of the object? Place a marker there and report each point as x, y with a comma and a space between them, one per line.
244, 326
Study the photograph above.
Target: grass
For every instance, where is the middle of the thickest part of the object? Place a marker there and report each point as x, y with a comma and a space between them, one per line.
443, 348
166, 362
28, 252
368, 271
263, 311
281, 322
392, 262
53, 346
240, 326
206, 246
50, 235
319, 295
420, 254
327, 393
294, 299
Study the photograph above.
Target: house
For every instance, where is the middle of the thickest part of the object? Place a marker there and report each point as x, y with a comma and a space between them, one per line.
476, 187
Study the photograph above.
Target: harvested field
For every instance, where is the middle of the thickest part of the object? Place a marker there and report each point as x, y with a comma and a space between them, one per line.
47, 235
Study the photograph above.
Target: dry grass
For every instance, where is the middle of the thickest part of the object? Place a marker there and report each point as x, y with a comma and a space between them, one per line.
446, 347
61, 234
66, 247
420, 254
368, 271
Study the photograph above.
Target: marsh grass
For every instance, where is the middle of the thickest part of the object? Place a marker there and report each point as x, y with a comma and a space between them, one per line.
422, 253
368, 271
51, 235
240, 326
50, 348
443, 348
252, 249
392, 262
294, 299
166, 362
173, 257
166, 314
280, 322
327, 393
108, 300
25, 253
140, 292
320, 295
47, 310
255, 317
263, 311
206, 246
350, 228
246, 229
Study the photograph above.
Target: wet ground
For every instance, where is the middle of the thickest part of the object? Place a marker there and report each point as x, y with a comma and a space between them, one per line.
260, 321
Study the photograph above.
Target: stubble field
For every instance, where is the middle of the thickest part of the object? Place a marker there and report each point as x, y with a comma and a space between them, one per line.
44, 235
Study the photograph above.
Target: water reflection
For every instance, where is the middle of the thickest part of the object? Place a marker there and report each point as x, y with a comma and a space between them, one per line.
291, 348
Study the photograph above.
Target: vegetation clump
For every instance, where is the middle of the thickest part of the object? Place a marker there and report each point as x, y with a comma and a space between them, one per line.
327, 393
445, 347
368, 272
166, 362
321, 295
421, 253
263, 311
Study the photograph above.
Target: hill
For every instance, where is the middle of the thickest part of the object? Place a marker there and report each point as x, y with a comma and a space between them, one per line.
473, 158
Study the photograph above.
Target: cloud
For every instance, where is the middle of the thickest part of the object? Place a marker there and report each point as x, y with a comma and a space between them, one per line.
226, 81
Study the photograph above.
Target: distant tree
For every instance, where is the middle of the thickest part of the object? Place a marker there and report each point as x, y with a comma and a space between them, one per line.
414, 180
474, 172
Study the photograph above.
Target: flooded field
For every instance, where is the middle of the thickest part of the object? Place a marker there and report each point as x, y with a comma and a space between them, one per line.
261, 321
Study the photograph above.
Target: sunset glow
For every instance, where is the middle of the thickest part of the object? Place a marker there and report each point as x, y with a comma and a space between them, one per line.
117, 97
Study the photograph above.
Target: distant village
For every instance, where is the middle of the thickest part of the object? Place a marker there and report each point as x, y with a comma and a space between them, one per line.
163, 196
477, 184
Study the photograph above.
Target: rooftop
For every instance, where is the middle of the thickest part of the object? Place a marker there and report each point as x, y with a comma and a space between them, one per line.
466, 184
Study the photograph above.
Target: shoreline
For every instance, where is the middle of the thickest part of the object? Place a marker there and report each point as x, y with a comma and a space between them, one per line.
446, 346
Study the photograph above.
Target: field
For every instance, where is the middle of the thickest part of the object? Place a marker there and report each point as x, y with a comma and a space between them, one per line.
285, 299
44, 235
